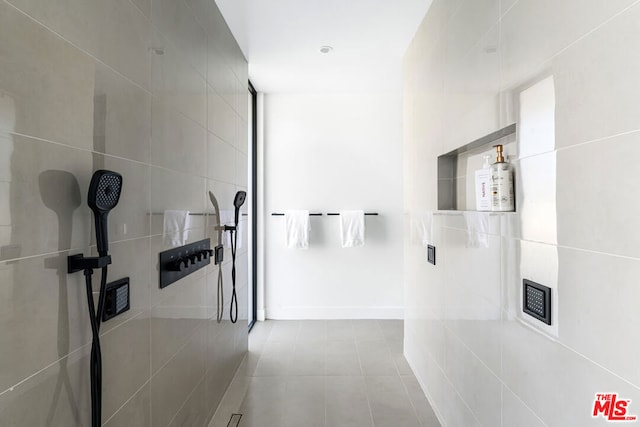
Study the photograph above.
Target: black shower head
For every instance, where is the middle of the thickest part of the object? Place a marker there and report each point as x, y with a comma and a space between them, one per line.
104, 194
238, 201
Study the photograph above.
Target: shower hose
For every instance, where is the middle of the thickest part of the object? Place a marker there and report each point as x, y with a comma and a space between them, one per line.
96, 354
233, 309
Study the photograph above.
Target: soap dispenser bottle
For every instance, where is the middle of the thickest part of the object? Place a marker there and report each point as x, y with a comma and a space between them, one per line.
483, 186
502, 199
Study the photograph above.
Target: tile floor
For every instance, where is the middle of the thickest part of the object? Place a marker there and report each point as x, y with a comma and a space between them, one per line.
342, 373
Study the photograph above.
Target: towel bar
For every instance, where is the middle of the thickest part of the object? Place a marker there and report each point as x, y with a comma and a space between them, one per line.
320, 214
366, 213
281, 214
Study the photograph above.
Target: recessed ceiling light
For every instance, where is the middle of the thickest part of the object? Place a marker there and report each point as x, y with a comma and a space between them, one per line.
325, 49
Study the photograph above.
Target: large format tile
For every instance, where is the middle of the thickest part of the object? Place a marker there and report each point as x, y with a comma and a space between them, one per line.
305, 397
176, 83
125, 362
339, 330
114, 32
477, 385
222, 118
375, 358
176, 22
454, 410
62, 393
242, 170
171, 385
121, 116
275, 360
557, 23
308, 358
597, 298
515, 412
44, 191
144, 6
347, 403
137, 410
178, 143
45, 83
175, 318
284, 330
196, 410
48, 314
607, 91
470, 22
558, 384
265, 403
420, 403
222, 160
592, 213
389, 402
472, 82
342, 358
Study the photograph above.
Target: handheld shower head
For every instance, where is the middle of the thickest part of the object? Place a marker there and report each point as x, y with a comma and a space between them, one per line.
104, 194
238, 201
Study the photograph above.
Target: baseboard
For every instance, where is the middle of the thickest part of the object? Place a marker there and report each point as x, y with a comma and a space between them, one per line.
321, 313
260, 314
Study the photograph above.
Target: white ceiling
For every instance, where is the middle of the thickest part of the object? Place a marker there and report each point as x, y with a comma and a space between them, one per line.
281, 39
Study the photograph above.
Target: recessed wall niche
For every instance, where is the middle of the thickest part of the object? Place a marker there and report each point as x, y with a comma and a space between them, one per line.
456, 169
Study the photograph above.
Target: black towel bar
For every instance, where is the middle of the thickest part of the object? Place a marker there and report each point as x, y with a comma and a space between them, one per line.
366, 213
281, 214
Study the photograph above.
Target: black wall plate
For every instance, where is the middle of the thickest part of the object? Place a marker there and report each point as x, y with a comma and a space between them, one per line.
179, 262
431, 254
536, 300
117, 299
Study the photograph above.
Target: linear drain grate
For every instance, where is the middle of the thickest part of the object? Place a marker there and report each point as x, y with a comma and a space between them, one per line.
234, 421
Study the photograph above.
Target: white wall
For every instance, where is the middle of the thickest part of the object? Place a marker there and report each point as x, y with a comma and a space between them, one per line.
472, 68
325, 153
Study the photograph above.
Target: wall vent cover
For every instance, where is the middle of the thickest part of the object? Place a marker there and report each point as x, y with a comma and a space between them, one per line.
536, 300
431, 254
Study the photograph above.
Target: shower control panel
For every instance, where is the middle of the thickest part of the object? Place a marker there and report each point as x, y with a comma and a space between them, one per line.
179, 262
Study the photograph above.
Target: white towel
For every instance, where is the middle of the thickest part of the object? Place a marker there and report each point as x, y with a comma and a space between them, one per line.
477, 229
176, 228
422, 228
297, 226
352, 228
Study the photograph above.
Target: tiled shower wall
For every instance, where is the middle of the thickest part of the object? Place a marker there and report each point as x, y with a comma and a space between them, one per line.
481, 361
157, 91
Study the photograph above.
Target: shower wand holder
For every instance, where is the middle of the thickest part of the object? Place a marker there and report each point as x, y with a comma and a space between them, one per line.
79, 262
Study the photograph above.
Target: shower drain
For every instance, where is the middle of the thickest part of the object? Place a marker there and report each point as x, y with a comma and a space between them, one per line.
234, 421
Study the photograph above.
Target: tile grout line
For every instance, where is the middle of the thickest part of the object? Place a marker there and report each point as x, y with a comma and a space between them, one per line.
404, 386
148, 382
541, 64
364, 380
90, 55
524, 404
